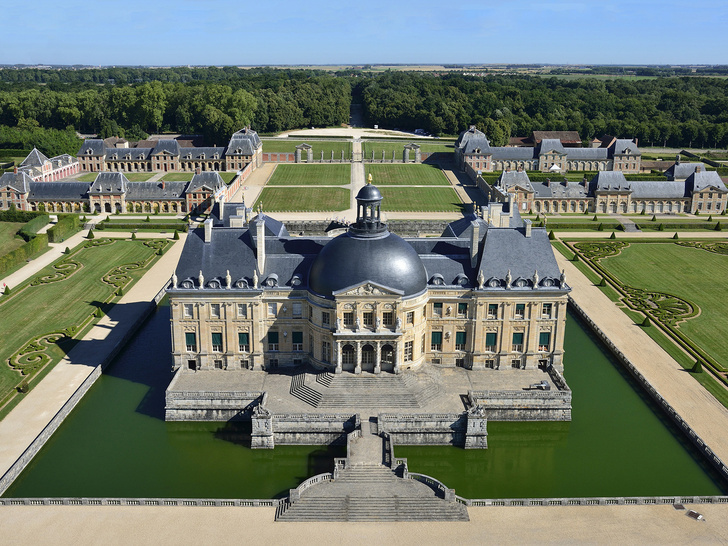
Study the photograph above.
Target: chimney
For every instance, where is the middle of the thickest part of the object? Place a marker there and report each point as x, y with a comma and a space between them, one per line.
163, 183
474, 243
548, 182
222, 206
208, 230
527, 224
260, 244
15, 170
198, 170
698, 168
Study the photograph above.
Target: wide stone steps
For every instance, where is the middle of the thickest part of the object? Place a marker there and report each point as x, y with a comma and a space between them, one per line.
303, 392
404, 400
394, 508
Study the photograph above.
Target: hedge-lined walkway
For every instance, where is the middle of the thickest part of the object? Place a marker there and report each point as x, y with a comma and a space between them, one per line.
25, 422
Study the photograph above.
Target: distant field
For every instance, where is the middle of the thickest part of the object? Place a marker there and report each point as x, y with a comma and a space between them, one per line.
420, 200
8, 240
282, 145
303, 199
306, 175
406, 175
388, 147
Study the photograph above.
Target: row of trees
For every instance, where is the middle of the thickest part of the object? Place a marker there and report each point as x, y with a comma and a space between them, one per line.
664, 111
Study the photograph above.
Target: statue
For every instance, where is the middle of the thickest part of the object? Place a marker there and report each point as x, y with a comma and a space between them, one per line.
377, 323
337, 324
356, 323
255, 279
481, 280
228, 279
369, 179
535, 279
398, 324
201, 279
509, 279
562, 279
174, 280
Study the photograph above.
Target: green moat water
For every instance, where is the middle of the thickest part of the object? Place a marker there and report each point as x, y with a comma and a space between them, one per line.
116, 443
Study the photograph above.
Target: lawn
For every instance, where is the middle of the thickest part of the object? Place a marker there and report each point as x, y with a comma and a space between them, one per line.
65, 302
378, 146
131, 177
284, 145
8, 240
303, 199
406, 175
306, 175
227, 177
420, 200
689, 273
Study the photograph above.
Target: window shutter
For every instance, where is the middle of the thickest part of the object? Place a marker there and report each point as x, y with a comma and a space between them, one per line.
544, 338
217, 338
437, 338
190, 338
460, 338
243, 338
491, 338
297, 337
272, 337
518, 338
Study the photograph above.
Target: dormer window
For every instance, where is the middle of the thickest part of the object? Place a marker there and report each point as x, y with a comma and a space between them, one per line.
238, 151
216, 156
89, 151
189, 156
202, 156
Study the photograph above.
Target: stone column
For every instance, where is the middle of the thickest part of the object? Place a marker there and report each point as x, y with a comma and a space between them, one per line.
337, 356
378, 357
395, 355
357, 357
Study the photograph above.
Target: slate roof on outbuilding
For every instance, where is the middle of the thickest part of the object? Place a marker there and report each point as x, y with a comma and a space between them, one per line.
19, 181
34, 159
208, 179
167, 145
92, 146
155, 190
58, 191
680, 171
109, 182
702, 180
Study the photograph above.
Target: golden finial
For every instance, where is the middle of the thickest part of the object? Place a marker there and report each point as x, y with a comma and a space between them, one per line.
369, 181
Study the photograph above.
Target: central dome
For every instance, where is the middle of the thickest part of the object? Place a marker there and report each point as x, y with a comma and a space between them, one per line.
348, 260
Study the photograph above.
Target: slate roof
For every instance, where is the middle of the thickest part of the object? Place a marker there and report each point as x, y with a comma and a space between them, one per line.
508, 179
197, 153
58, 191
472, 139
563, 136
560, 190
109, 182
135, 154
245, 140
209, 179
699, 181
502, 152
625, 145
680, 171
650, 189
35, 159
609, 181
92, 146
551, 145
168, 145
154, 190
588, 154
19, 181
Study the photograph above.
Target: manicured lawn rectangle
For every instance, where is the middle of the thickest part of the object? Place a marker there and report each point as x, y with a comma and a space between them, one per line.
131, 177
306, 175
284, 145
69, 295
397, 147
406, 175
420, 199
178, 177
303, 199
689, 273
8, 240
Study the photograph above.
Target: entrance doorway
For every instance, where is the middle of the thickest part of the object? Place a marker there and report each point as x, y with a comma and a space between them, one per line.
387, 358
192, 364
367, 358
348, 358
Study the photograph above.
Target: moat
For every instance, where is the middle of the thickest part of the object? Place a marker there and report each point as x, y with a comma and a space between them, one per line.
117, 444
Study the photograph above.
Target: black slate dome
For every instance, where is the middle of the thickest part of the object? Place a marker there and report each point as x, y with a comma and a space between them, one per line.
368, 252
348, 260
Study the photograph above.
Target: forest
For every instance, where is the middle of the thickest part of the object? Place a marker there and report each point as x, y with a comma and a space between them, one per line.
685, 111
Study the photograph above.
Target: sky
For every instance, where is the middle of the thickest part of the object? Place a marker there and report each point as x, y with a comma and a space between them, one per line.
283, 32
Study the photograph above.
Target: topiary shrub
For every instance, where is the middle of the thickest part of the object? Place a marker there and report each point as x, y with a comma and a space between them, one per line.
646, 322
133, 236
601, 227
698, 367
147, 219
23, 387
7, 290
67, 251
661, 227
603, 282
718, 227
90, 234
643, 212
613, 236
160, 252
100, 226
654, 218
99, 312
175, 237
697, 213
551, 235
595, 218
575, 258
675, 236
120, 292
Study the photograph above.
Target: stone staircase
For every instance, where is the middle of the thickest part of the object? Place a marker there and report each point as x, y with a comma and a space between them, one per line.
371, 493
303, 392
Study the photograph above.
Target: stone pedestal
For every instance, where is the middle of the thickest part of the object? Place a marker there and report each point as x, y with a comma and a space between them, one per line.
262, 435
476, 435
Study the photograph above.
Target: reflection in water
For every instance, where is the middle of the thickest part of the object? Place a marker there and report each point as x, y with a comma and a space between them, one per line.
116, 443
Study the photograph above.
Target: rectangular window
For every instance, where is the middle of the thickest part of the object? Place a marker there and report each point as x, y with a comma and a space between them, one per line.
191, 342
297, 339
436, 344
490, 364
242, 310
349, 319
411, 317
218, 364
272, 309
462, 309
520, 310
368, 318
187, 310
326, 351
297, 309
244, 342
516, 363
460, 340
388, 318
544, 341
492, 311
491, 340
408, 348
437, 309
272, 341
215, 310
546, 310
217, 342
708, 206
517, 342
325, 318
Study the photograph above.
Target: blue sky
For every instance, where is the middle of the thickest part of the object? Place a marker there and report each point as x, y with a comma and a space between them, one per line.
244, 32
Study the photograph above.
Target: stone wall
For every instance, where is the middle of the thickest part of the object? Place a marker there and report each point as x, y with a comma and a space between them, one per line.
534, 405
424, 428
403, 228
312, 429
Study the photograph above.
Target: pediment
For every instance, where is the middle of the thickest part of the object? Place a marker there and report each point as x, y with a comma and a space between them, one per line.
368, 288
